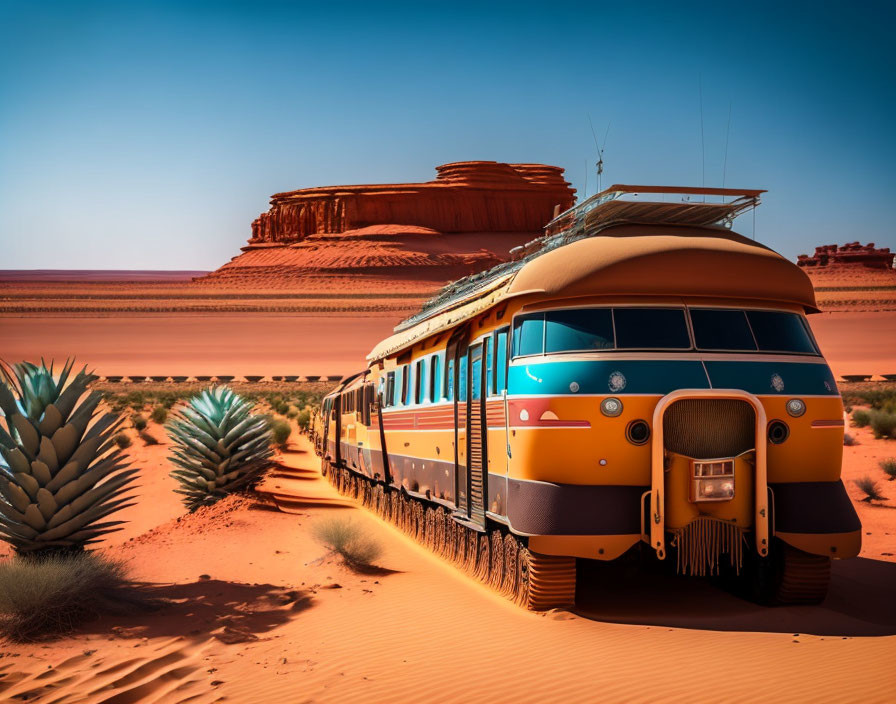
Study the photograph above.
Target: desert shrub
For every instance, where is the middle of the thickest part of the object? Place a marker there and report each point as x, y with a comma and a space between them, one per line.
282, 408
304, 419
861, 418
883, 424
52, 594
848, 440
870, 488
348, 540
879, 399
159, 415
280, 432
292, 413
889, 467
848, 409
136, 400
122, 439
139, 422
218, 446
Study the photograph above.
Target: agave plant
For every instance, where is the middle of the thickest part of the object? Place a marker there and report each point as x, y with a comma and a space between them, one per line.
219, 446
60, 472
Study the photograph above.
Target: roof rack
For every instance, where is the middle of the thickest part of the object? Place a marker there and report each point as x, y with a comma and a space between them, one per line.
617, 205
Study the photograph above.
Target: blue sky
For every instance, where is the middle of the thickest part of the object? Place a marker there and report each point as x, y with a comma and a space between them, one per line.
148, 135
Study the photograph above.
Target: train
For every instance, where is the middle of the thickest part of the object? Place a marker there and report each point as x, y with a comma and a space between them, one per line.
640, 378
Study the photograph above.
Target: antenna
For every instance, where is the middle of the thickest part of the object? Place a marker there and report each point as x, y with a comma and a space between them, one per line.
600, 150
702, 140
585, 191
727, 135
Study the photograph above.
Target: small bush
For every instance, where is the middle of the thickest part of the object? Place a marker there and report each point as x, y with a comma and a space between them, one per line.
889, 467
159, 415
123, 440
282, 408
304, 419
51, 595
848, 440
280, 432
883, 424
870, 488
348, 540
292, 413
848, 409
861, 419
139, 422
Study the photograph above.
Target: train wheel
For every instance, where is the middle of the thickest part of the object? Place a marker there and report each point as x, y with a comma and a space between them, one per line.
548, 581
789, 576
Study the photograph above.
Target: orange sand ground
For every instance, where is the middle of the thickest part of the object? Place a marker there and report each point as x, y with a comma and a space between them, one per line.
263, 615
327, 342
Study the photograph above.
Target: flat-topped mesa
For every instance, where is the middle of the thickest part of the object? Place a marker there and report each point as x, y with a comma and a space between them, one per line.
467, 196
399, 237
849, 254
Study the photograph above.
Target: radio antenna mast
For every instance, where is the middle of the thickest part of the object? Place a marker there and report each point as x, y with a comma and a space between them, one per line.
600, 151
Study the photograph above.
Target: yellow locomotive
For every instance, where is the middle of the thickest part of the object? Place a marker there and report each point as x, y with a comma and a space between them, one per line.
640, 375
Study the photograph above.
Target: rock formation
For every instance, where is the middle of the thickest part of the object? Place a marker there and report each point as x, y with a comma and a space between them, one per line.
851, 253
394, 237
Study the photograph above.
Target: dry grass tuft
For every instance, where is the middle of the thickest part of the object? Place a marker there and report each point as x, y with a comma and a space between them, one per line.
889, 467
870, 488
348, 540
51, 595
849, 440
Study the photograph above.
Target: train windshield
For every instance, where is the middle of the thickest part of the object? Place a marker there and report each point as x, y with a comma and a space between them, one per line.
777, 331
641, 328
651, 328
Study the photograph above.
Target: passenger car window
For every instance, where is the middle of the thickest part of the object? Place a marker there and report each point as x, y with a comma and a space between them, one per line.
435, 379
528, 334
651, 328
578, 330
717, 329
779, 331
501, 361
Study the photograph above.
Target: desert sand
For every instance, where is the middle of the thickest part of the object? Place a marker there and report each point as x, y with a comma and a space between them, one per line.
263, 614
180, 328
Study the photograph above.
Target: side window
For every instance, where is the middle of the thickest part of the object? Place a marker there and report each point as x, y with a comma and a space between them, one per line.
389, 397
420, 380
449, 380
528, 334
403, 389
462, 379
434, 379
408, 385
501, 361
489, 364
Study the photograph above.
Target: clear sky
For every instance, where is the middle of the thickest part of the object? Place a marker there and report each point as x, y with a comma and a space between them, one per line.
148, 135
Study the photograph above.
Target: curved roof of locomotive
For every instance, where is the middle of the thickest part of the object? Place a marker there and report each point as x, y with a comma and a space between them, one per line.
634, 259
666, 260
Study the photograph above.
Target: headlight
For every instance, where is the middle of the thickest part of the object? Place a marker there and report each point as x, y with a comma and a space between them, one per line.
712, 480
611, 407
796, 407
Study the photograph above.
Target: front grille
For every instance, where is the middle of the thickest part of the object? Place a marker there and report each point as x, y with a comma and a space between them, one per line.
709, 428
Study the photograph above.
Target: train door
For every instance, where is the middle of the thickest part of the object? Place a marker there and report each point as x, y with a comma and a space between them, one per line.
476, 434
456, 388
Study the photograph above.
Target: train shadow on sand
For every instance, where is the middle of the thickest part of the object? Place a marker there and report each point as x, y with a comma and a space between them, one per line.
860, 601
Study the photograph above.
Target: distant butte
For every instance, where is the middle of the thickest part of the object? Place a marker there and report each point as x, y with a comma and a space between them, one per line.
849, 254
398, 237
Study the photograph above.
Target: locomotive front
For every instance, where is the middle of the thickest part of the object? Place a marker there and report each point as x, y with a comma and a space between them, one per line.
665, 387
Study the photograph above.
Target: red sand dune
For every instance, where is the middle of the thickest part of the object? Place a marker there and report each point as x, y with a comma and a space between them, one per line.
262, 614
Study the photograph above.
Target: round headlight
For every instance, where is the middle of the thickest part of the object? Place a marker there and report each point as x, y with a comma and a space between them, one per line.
637, 432
778, 432
796, 407
611, 407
